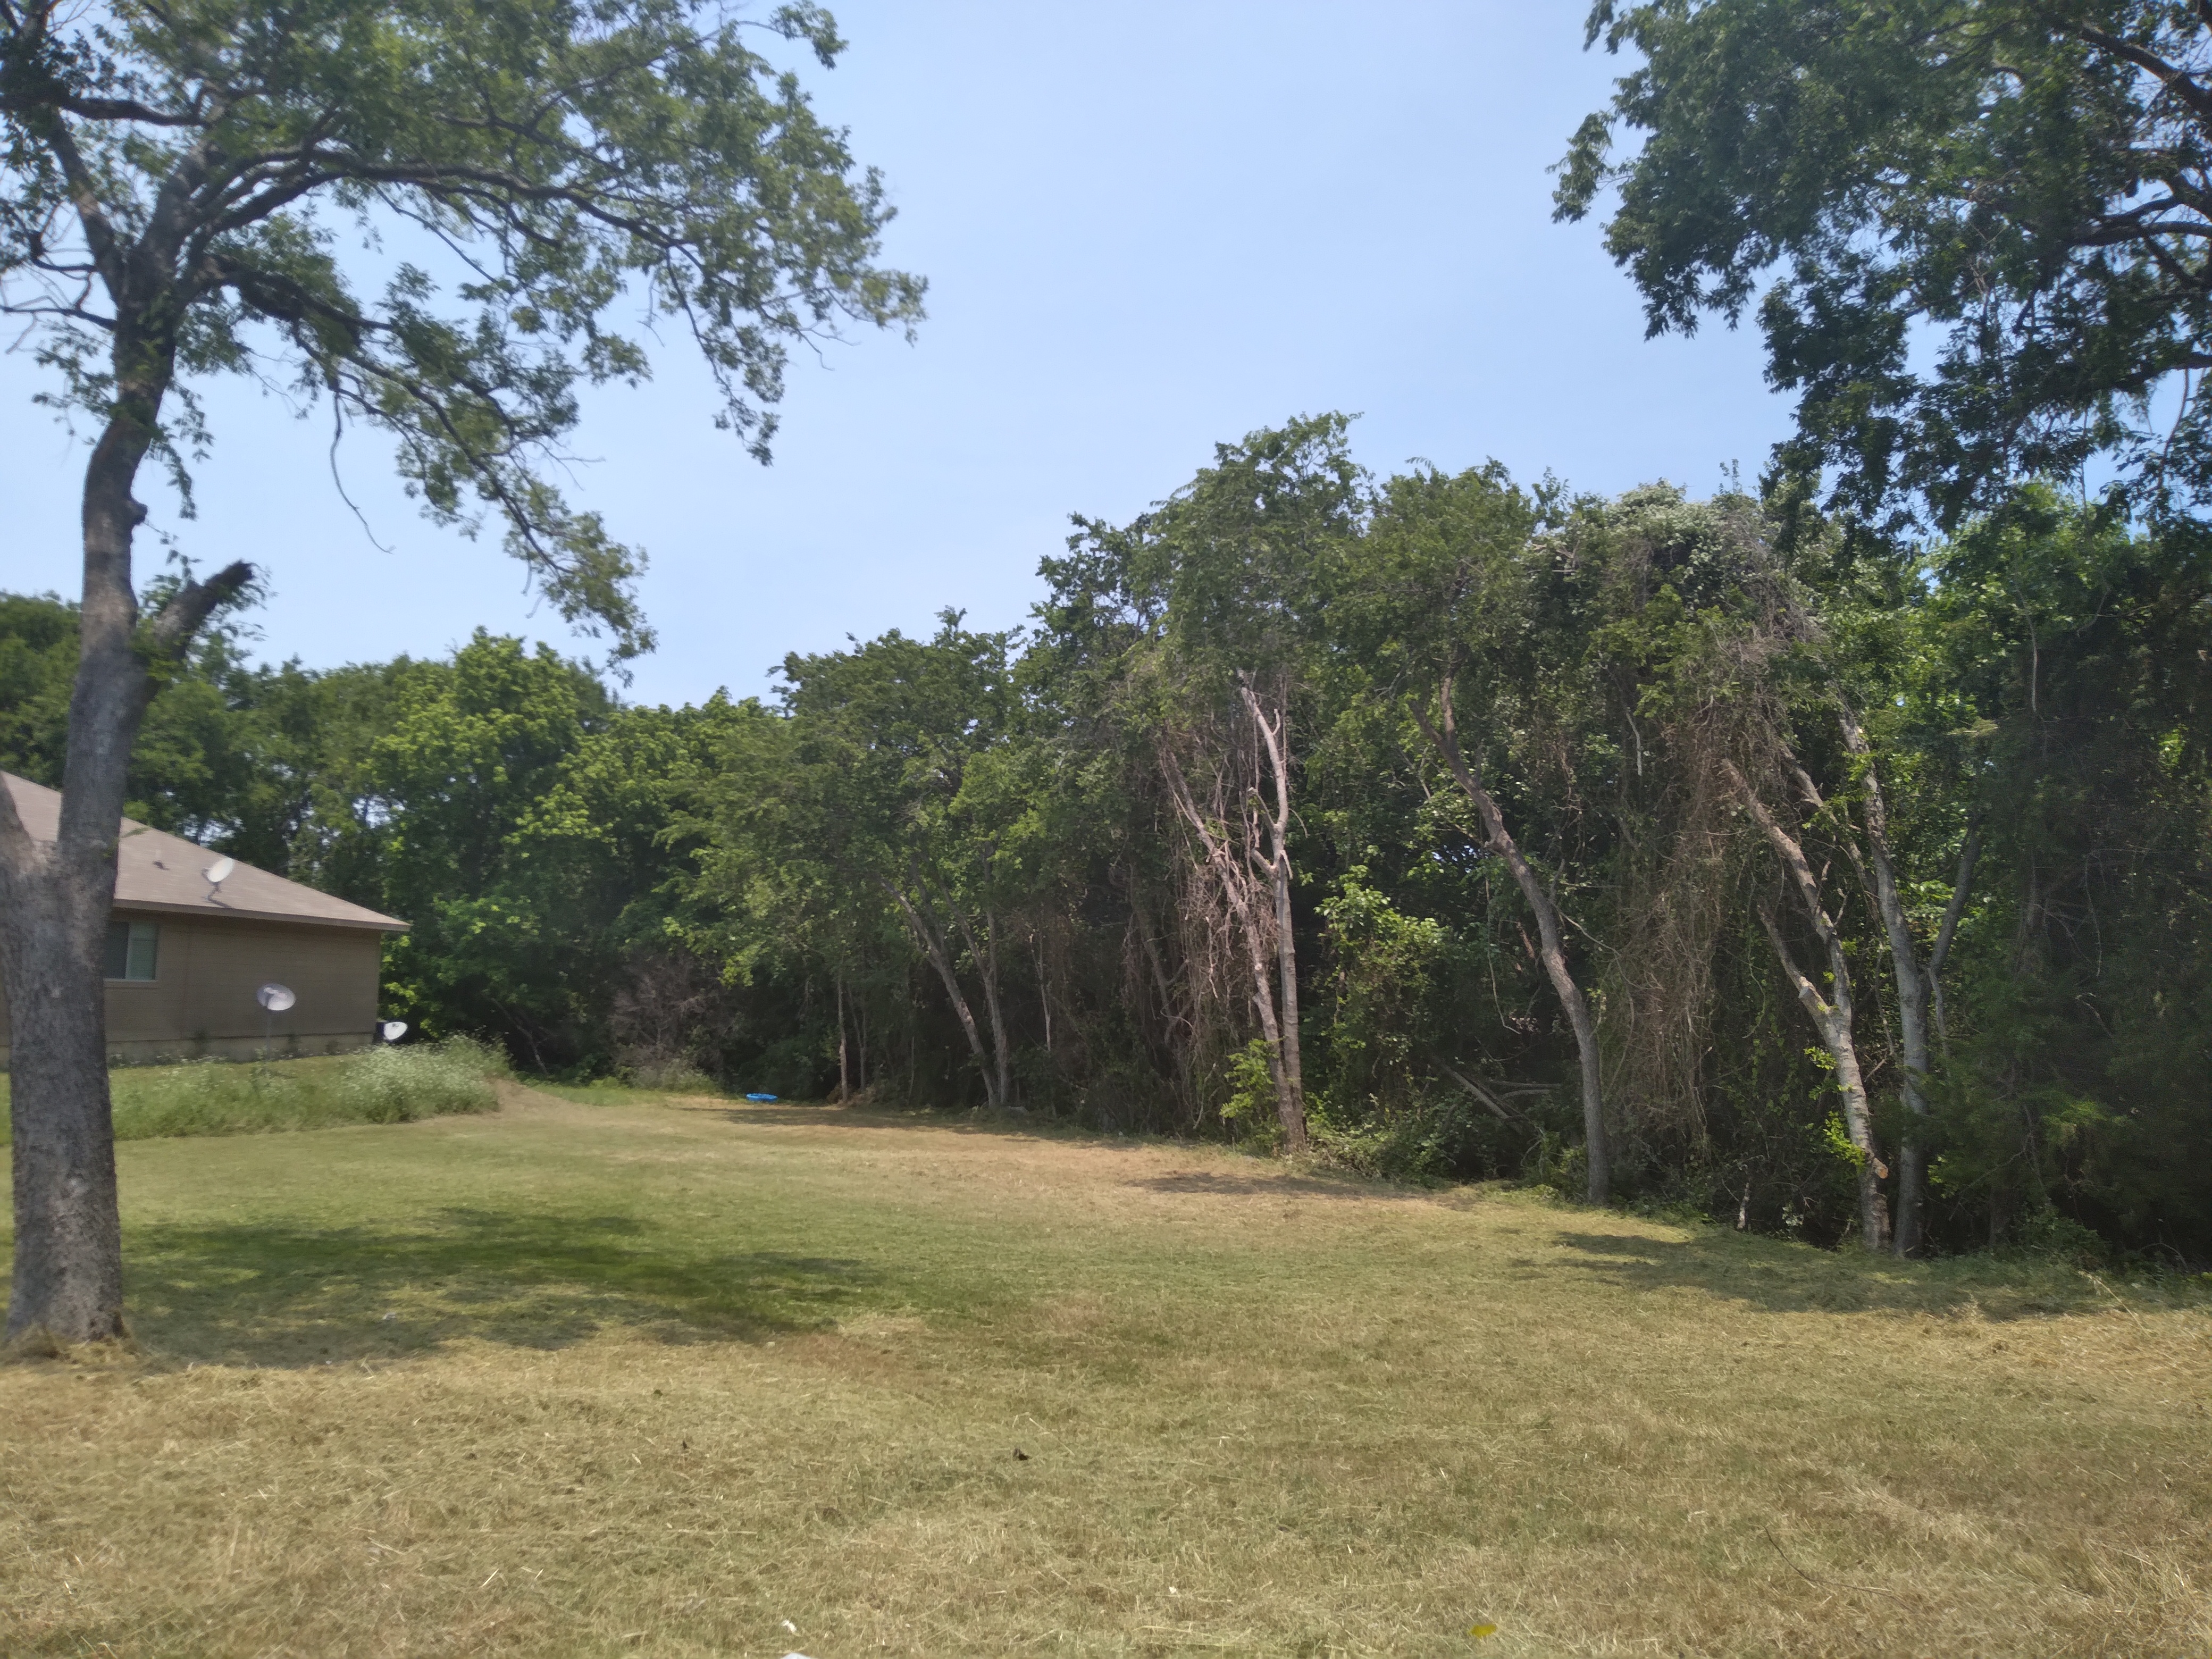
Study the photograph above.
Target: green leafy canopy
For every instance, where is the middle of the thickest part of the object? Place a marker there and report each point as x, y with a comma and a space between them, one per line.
178, 179
1982, 226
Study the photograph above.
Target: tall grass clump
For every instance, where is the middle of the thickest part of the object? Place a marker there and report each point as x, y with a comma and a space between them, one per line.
431, 1080
375, 1085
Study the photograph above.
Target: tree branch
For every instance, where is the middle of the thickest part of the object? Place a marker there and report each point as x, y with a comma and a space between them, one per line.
189, 607
17, 850
95, 109
2176, 80
1969, 855
1791, 854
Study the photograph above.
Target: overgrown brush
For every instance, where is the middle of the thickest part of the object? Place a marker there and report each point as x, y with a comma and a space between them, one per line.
377, 1085
397, 1085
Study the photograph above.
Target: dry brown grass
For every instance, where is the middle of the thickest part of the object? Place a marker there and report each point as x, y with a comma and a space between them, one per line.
581, 1379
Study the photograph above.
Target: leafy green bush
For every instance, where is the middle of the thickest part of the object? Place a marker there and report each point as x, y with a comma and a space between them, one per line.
1423, 1140
1250, 1109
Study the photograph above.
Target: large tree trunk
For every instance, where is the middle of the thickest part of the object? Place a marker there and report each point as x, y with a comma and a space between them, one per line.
68, 1252
1550, 937
1833, 1015
54, 900
54, 903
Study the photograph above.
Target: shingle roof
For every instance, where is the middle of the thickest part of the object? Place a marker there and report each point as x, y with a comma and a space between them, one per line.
157, 871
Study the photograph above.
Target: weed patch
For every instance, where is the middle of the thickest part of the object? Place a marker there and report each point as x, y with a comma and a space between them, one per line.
383, 1084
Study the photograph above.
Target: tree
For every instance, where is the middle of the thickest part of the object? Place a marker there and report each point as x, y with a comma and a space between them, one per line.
1241, 557
1442, 601
2068, 653
472, 750
2028, 183
176, 184
1833, 1012
879, 787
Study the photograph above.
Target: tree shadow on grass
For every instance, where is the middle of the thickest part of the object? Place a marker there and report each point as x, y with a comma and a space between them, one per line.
284, 1295
790, 1113
1773, 1277
807, 1117
1215, 1183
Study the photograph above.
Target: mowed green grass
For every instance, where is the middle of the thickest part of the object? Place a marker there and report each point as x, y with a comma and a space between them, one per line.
692, 1378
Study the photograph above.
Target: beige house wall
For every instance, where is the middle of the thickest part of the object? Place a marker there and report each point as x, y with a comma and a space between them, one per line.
200, 1001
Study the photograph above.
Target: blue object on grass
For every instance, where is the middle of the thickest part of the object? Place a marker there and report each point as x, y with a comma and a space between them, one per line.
764, 1099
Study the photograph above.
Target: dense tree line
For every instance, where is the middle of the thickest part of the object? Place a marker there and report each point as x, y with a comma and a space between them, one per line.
1835, 854
1656, 848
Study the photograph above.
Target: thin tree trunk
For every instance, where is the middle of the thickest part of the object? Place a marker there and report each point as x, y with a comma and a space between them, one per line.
1912, 995
941, 959
1160, 981
1969, 855
1291, 1103
1044, 993
987, 963
844, 1074
1503, 1113
1919, 988
1552, 947
1831, 1014
997, 1015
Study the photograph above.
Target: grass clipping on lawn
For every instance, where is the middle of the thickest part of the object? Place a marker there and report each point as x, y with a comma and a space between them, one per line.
692, 1378
378, 1084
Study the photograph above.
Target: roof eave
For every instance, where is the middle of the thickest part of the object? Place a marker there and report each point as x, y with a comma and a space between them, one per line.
379, 925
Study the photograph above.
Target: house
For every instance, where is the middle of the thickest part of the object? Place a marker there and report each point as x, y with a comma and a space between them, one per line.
185, 956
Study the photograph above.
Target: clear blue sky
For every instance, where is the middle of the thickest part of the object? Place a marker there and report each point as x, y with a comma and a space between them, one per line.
1147, 227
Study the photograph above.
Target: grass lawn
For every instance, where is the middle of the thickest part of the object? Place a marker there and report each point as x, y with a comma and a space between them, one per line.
691, 1378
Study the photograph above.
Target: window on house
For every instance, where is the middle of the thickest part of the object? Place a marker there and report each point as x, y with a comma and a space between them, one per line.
131, 949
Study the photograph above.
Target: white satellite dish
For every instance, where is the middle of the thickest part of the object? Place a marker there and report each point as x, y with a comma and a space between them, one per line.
219, 871
393, 1029
275, 998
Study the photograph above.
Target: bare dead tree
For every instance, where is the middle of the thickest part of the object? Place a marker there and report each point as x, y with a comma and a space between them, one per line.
1242, 847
